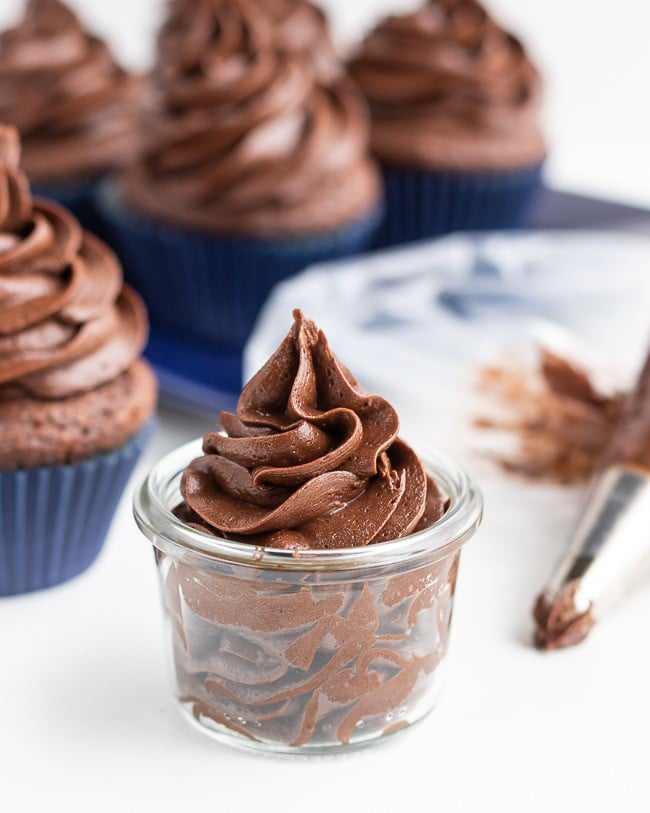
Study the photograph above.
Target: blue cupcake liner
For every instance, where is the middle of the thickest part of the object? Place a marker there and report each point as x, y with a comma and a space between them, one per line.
421, 204
189, 369
209, 288
77, 196
54, 519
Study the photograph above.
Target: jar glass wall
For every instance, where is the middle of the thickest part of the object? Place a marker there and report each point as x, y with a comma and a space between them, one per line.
313, 650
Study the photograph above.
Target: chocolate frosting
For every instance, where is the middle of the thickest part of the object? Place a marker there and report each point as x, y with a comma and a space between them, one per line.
301, 27
562, 422
249, 129
62, 89
312, 664
558, 623
66, 323
308, 460
631, 442
449, 88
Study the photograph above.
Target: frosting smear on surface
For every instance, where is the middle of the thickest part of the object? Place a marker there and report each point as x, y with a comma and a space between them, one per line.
560, 420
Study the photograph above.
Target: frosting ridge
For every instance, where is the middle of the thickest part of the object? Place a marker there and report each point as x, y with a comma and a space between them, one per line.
308, 460
67, 325
250, 127
448, 87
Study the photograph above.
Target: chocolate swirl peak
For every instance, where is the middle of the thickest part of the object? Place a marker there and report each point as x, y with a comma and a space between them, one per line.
246, 131
309, 460
449, 88
84, 127
301, 27
66, 324
197, 32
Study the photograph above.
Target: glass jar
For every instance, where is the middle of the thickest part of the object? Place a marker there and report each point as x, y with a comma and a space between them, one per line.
305, 651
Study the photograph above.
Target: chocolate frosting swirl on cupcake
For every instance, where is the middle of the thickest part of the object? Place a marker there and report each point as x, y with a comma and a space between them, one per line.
301, 27
308, 460
62, 89
67, 326
244, 133
449, 88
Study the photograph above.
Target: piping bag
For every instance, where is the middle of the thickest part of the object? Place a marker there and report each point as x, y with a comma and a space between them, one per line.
610, 543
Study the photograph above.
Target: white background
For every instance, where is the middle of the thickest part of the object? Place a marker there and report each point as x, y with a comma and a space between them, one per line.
594, 53
86, 719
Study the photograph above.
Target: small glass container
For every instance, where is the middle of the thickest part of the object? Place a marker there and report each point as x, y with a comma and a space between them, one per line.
310, 651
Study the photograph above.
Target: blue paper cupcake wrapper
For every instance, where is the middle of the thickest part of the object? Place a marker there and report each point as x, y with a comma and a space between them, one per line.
54, 519
211, 288
421, 204
79, 197
194, 371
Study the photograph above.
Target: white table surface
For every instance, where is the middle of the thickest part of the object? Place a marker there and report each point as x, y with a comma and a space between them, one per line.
87, 721
86, 717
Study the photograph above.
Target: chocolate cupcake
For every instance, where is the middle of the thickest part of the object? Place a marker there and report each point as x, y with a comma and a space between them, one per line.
254, 165
75, 398
455, 101
70, 100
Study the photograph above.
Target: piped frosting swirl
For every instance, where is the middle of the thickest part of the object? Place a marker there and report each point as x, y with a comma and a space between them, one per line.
308, 460
63, 90
449, 88
301, 27
251, 128
67, 325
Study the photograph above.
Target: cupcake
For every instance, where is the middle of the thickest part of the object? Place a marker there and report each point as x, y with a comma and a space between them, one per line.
254, 165
308, 559
75, 399
70, 100
455, 106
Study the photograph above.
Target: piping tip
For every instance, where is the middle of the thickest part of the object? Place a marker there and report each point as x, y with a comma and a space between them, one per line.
608, 547
558, 622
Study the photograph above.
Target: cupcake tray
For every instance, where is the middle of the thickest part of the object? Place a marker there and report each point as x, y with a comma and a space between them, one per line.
188, 373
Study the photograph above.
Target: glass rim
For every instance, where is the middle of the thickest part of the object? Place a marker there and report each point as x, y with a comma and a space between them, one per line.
166, 532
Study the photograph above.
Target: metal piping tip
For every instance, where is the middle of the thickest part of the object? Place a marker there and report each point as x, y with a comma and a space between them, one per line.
558, 622
609, 544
